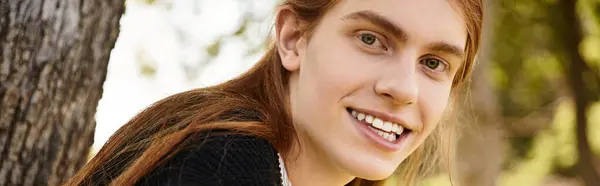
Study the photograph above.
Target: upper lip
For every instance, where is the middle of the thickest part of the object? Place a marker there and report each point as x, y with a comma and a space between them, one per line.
384, 116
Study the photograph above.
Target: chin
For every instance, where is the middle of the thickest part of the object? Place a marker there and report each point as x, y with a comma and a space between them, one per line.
360, 158
376, 174
372, 169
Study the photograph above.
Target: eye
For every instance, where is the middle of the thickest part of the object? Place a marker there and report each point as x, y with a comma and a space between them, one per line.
434, 64
371, 40
368, 39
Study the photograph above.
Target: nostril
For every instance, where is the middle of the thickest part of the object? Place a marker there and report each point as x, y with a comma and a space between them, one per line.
397, 99
388, 95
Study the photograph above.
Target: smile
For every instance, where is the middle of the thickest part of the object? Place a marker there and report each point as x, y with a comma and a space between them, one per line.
390, 131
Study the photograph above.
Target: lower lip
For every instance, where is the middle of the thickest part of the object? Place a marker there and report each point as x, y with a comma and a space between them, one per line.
378, 140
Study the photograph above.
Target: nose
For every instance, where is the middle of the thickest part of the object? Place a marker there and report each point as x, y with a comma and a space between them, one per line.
398, 84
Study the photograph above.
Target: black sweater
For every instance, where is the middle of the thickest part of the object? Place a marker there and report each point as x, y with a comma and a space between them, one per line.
219, 159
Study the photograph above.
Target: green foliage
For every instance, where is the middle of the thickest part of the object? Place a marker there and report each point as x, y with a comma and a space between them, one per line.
551, 149
149, 2
564, 126
214, 49
437, 180
147, 65
147, 70
590, 48
535, 166
522, 58
594, 128
596, 12
526, 70
240, 31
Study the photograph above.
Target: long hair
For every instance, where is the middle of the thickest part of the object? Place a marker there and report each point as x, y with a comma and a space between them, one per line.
159, 131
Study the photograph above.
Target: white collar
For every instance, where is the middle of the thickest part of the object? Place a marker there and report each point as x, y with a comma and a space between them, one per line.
285, 181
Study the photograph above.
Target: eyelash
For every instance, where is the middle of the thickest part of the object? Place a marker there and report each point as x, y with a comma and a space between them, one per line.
360, 34
378, 39
442, 62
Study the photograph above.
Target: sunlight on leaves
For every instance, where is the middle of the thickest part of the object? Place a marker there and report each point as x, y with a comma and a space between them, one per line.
537, 164
499, 77
594, 127
564, 126
553, 147
590, 47
437, 180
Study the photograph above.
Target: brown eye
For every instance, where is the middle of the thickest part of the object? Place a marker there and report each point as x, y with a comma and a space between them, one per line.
368, 39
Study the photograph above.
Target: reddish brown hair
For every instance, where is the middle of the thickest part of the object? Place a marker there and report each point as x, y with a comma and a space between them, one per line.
158, 132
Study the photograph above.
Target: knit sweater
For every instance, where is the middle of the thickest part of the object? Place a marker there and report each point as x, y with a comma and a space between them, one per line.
219, 159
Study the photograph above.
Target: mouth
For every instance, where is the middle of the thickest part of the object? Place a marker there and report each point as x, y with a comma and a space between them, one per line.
387, 131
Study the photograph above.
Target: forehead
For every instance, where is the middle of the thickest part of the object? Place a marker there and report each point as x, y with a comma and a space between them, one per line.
423, 21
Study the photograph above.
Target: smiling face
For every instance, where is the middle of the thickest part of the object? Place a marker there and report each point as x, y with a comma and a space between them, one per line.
373, 80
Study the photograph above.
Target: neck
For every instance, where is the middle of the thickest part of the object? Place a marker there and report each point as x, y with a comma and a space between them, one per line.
311, 167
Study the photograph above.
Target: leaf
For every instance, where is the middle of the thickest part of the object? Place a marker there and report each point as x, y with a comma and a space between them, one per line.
149, 2
148, 70
214, 49
242, 29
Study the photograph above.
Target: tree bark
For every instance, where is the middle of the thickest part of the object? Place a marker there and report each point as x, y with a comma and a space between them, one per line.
567, 30
53, 62
480, 147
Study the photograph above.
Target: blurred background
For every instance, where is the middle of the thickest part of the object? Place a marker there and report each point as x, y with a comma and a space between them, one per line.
169, 46
532, 119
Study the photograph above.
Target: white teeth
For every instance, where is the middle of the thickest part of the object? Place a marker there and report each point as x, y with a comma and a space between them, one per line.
392, 138
369, 119
374, 130
360, 116
387, 126
378, 123
387, 136
400, 129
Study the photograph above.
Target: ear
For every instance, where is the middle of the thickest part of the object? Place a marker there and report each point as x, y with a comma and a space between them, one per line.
288, 37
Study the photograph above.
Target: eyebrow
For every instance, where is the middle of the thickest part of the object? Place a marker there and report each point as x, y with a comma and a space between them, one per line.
379, 21
446, 48
397, 31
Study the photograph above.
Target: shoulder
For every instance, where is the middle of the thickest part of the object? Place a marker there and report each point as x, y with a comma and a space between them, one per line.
218, 158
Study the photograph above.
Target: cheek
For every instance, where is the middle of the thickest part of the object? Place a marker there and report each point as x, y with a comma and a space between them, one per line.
322, 81
329, 70
433, 99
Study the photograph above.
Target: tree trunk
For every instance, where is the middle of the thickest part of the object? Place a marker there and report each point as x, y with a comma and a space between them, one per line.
53, 62
568, 32
481, 145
